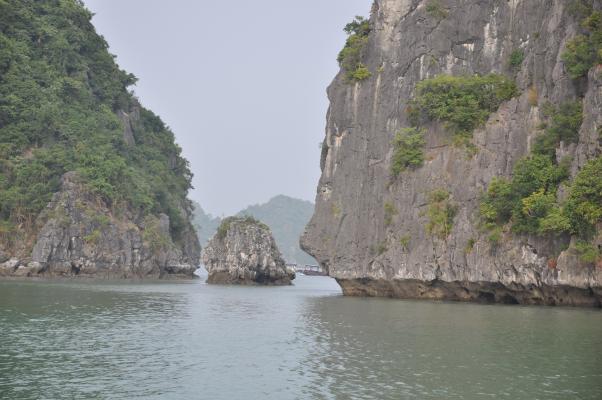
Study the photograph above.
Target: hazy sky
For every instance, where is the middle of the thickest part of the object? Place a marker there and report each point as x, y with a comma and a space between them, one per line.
241, 83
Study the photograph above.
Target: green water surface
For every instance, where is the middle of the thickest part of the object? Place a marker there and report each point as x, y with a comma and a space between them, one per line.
189, 340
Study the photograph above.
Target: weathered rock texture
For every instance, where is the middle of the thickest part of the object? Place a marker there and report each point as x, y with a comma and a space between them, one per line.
349, 234
243, 251
78, 235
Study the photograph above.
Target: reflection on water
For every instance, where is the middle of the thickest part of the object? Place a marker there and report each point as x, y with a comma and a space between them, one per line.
188, 340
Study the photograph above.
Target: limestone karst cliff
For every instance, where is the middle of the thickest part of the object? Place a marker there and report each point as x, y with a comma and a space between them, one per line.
78, 236
91, 182
375, 224
244, 252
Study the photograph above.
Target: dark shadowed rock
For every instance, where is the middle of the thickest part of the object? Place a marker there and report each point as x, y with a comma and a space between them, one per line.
243, 251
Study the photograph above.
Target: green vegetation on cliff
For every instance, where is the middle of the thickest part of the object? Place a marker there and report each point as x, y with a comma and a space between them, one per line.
584, 205
390, 212
440, 212
350, 58
224, 227
583, 209
436, 10
516, 59
564, 123
588, 253
61, 97
584, 50
532, 201
462, 103
528, 199
408, 150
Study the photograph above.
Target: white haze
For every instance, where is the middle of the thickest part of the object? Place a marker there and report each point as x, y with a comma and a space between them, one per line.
242, 84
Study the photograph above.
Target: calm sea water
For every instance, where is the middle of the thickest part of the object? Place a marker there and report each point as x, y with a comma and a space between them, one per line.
189, 340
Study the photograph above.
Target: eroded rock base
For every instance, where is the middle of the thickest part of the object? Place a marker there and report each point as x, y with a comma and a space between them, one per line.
479, 292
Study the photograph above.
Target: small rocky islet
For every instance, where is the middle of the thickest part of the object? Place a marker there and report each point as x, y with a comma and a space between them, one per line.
244, 252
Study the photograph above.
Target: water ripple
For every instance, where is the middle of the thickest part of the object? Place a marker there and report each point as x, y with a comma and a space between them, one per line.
195, 341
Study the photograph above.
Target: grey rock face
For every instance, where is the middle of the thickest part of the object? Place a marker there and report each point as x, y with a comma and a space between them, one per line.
243, 251
349, 233
126, 119
8, 267
3, 256
79, 236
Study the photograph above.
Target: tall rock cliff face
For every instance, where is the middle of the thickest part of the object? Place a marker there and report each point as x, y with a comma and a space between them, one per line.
369, 228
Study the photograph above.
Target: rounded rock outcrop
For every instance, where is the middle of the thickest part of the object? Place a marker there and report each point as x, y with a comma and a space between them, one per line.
243, 251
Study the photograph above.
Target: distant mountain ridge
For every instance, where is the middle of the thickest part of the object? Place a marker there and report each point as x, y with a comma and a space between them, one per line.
286, 217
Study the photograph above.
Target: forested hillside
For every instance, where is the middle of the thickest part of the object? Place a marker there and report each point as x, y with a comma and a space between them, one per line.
65, 106
61, 95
